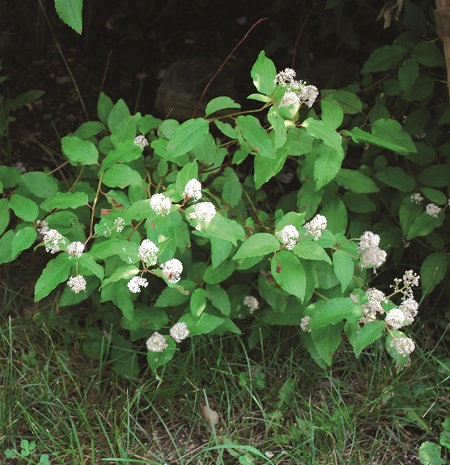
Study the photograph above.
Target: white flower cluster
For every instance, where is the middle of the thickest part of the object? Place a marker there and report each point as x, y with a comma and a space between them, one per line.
156, 342
370, 254
432, 210
204, 211
52, 241
304, 324
403, 345
289, 236
75, 249
160, 204
77, 283
42, 226
135, 284
172, 270
416, 198
148, 252
179, 331
119, 224
193, 190
316, 226
297, 92
141, 141
373, 306
251, 303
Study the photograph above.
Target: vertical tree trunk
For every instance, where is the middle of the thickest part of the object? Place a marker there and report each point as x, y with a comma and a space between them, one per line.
442, 18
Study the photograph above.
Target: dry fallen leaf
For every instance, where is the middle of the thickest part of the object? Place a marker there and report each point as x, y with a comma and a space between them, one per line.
210, 416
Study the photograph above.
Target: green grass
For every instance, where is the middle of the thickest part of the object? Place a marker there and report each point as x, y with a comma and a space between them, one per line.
270, 400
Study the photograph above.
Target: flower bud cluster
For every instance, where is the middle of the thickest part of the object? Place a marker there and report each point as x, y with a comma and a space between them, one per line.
251, 303
316, 226
141, 141
77, 284
204, 211
375, 299
160, 204
289, 236
75, 249
135, 284
53, 241
172, 270
148, 252
432, 210
193, 190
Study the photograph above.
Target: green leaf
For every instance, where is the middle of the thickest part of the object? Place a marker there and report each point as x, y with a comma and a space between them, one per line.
311, 250
266, 168
408, 74
10, 177
332, 112
326, 341
89, 129
40, 184
56, 271
232, 188
22, 99
186, 137
124, 357
257, 245
384, 58
344, 267
428, 54
219, 298
188, 172
23, 207
220, 103
127, 251
358, 203
319, 130
158, 359
23, 240
198, 302
79, 151
121, 176
104, 107
278, 125
430, 454
4, 215
139, 210
219, 274
336, 214
126, 130
88, 262
226, 128
171, 296
70, 12
146, 319
434, 196
386, 133
350, 102
124, 152
253, 136
289, 273
263, 74
221, 228
355, 181
423, 224
65, 200
220, 249
123, 272
366, 335
432, 271
205, 324
397, 177
327, 165
435, 175
334, 311
118, 113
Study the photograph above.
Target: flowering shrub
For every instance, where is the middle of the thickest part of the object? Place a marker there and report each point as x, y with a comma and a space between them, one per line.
169, 242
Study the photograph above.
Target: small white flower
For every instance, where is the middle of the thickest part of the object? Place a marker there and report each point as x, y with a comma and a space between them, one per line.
119, 224
395, 318
416, 198
433, 210
308, 95
285, 77
403, 345
148, 252
179, 331
204, 211
370, 255
193, 190
304, 324
52, 241
160, 204
75, 249
411, 279
42, 226
289, 236
316, 226
135, 284
289, 99
172, 270
77, 283
156, 342
140, 141
375, 298
251, 303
